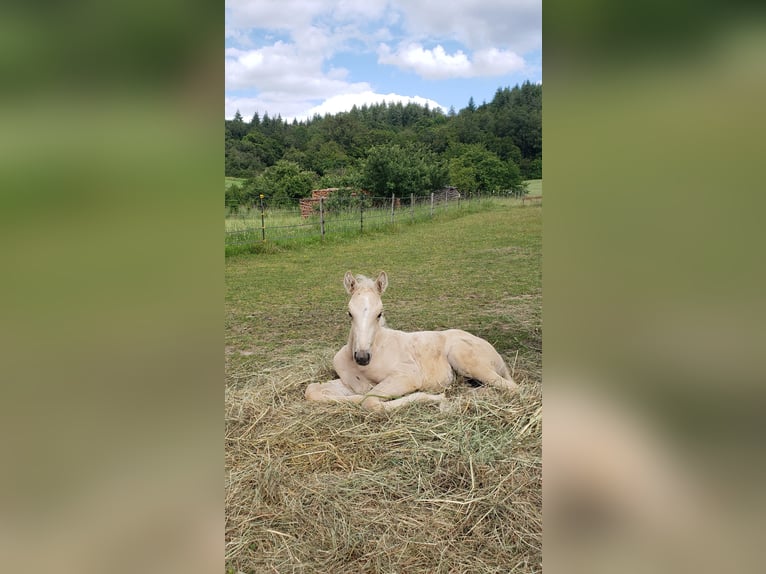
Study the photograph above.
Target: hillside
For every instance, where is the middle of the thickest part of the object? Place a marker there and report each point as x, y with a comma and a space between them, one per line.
492, 146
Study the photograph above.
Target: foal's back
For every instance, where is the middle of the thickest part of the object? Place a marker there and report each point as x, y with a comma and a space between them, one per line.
442, 354
475, 358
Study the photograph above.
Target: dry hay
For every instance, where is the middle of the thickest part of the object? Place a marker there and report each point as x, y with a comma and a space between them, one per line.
333, 488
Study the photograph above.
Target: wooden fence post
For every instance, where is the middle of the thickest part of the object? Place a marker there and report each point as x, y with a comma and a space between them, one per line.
392, 207
361, 215
432, 204
321, 216
412, 207
263, 222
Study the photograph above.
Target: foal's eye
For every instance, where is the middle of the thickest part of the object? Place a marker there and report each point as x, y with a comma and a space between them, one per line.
349, 314
380, 314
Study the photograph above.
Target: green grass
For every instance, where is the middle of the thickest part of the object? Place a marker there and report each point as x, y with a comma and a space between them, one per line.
332, 488
445, 273
534, 186
234, 180
245, 227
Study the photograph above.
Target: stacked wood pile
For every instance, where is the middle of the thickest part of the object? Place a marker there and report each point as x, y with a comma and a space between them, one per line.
307, 204
448, 193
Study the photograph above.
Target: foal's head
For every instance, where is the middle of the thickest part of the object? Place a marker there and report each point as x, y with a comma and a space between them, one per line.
366, 311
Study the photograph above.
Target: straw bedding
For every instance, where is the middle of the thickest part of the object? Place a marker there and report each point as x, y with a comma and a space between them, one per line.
332, 488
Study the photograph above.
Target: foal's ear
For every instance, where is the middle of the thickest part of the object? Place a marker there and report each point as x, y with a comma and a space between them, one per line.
349, 282
381, 282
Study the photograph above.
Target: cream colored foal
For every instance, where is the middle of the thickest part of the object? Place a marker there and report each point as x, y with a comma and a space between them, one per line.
384, 369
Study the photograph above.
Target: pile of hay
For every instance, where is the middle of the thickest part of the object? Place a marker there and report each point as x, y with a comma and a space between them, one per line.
333, 488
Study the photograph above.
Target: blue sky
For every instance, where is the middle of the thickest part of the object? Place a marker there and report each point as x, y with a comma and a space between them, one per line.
296, 58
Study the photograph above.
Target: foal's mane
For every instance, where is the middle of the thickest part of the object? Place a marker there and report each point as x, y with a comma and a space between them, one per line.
364, 282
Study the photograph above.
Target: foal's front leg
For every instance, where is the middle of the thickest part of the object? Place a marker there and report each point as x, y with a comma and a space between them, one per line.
349, 373
334, 392
395, 392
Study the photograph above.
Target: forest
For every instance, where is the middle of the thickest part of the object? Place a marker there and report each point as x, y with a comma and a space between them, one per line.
389, 148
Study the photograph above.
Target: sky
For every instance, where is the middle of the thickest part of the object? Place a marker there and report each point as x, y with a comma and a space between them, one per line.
297, 58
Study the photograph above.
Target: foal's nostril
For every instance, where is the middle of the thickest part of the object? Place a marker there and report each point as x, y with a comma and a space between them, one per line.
362, 357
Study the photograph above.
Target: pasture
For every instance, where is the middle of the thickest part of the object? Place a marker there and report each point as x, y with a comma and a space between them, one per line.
534, 187
285, 224
333, 488
229, 181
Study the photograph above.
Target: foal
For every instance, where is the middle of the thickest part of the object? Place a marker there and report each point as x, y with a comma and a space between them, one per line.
384, 369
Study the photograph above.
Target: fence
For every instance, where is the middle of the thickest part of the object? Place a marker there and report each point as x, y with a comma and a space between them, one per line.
335, 214
531, 198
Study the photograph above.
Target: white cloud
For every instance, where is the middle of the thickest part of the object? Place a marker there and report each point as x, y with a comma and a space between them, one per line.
511, 24
344, 102
431, 64
273, 14
494, 62
437, 64
306, 109
514, 25
281, 53
354, 10
295, 15
286, 71
479, 24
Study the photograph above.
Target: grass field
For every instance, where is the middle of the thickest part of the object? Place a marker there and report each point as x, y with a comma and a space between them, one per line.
243, 225
286, 226
229, 181
534, 186
331, 488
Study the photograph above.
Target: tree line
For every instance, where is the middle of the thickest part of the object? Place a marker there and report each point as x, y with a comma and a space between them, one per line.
390, 148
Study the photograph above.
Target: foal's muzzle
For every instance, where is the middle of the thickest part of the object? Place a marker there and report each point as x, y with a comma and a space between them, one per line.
362, 358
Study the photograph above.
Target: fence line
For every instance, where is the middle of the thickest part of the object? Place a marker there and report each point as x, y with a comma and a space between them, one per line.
333, 215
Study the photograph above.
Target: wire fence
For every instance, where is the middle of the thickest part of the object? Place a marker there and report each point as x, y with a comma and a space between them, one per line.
323, 216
